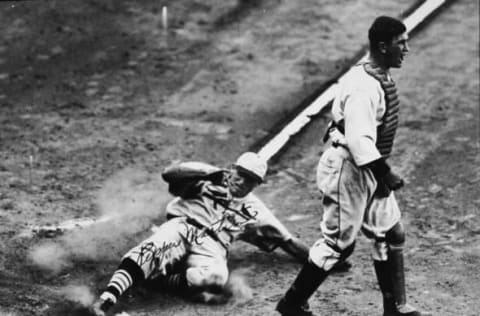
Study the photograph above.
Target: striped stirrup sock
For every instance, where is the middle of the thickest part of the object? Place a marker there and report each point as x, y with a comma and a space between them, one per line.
119, 283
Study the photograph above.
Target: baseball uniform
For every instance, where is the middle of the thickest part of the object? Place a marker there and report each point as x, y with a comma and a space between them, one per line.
350, 204
200, 231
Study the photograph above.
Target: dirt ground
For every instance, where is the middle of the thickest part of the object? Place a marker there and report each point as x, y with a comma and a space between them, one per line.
96, 97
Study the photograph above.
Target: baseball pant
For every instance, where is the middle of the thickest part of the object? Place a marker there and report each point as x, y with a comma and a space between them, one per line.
349, 206
176, 241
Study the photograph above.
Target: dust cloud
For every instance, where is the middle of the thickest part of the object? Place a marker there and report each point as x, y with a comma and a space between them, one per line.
130, 202
79, 294
238, 287
50, 256
3, 313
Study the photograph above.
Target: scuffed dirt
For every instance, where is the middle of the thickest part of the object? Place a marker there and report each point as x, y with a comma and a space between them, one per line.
96, 98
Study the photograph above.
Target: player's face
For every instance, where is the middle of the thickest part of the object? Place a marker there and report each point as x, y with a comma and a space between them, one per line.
397, 50
240, 184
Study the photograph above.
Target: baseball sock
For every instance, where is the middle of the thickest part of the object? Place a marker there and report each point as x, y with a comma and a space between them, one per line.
307, 281
127, 274
396, 266
382, 270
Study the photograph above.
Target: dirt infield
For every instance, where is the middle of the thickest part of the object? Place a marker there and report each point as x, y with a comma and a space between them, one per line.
96, 98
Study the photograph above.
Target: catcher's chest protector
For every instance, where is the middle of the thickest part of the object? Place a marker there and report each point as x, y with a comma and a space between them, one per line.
386, 131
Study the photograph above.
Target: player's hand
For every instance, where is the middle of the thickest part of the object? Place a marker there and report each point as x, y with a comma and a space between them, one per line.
388, 183
382, 190
393, 181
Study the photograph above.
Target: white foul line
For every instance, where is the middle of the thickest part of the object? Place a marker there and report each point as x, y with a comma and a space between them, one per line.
301, 120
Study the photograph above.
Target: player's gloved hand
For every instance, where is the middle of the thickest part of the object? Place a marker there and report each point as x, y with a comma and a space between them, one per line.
393, 181
382, 190
388, 183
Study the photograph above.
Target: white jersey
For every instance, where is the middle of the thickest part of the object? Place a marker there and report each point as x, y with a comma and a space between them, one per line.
245, 218
360, 102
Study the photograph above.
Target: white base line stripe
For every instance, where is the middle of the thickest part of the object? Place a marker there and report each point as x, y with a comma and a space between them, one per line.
301, 120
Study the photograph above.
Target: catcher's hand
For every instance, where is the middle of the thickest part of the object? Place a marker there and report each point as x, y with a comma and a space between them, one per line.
388, 183
393, 181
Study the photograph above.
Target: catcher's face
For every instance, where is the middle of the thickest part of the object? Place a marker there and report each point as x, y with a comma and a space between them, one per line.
396, 51
240, 183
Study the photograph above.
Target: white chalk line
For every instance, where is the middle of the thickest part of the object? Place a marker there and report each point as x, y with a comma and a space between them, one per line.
281, 139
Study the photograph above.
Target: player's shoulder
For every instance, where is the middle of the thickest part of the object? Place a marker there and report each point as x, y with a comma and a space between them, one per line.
358, 77
253, 200
358, 81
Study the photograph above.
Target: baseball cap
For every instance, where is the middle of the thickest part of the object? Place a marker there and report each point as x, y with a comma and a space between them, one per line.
252, 164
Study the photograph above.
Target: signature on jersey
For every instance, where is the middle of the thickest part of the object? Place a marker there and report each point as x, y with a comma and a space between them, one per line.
231, 220
150, 254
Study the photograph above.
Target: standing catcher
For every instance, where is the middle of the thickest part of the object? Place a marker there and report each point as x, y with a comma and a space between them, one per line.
356, 180
188, 253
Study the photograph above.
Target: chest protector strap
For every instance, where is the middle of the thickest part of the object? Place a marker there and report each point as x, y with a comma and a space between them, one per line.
386, 130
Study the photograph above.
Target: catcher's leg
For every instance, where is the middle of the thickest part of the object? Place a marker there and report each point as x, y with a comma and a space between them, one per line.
311, 276
295, 300
391, 276
344, 188
382, 270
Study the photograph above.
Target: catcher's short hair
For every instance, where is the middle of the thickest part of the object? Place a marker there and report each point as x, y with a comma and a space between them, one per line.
384, 29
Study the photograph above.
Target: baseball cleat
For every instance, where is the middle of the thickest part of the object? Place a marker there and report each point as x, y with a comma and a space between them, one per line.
101, 307
405, 310
286, 309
